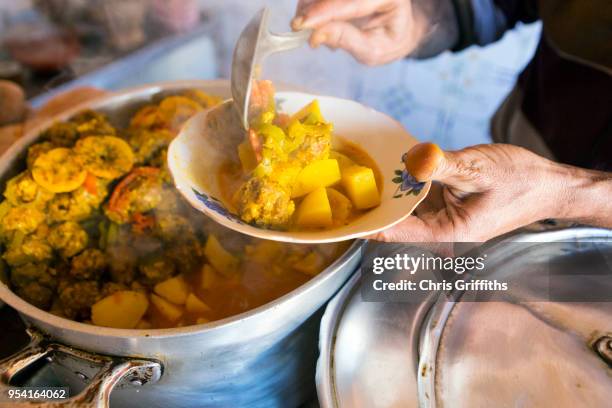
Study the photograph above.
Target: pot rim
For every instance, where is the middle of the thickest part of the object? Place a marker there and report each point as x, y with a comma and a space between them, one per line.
31, 311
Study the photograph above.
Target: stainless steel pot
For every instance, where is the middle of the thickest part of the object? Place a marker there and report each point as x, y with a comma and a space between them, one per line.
264, 357
544, 342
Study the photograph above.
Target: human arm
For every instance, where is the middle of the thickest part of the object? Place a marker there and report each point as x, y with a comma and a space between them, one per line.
488, 190
380, 31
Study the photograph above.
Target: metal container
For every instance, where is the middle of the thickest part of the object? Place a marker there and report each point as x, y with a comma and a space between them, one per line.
261, 358
519, 349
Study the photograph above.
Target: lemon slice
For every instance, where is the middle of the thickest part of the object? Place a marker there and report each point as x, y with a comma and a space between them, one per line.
59, 170
107, 157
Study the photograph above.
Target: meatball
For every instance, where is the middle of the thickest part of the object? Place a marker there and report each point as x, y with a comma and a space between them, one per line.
36, 294
68, 238
43, 274
20, 219
63, 134
316, 146
68, 207
173, 228
265, 202
155, 270
22, 189
91, 123
77, 298
111, 287
148, 143
187, 256
31, 249
88, 265
122, 265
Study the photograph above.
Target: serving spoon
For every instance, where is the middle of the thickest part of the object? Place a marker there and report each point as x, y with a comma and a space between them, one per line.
200, 152
256, 42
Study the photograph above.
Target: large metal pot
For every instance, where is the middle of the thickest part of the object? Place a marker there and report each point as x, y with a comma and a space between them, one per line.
264, 357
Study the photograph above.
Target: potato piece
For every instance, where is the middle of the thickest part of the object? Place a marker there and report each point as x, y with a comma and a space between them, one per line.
343, 160
309, 114
195, 305
264, 251
208, 277
321, 173
169, 311
311, 264
341, 207
174, 290
219, 257
122, 309
247, 156
314, 210
360, 185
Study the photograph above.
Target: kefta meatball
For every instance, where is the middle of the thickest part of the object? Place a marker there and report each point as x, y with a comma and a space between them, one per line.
89, 264
68, 238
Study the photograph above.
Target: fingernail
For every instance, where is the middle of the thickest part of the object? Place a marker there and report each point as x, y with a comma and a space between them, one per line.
422, 160
297, 22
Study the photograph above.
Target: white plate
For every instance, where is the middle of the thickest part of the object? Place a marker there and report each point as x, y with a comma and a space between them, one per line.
195, 157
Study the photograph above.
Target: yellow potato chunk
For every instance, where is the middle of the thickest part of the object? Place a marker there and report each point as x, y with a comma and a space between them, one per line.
168, 310
219, 257
174, 290
122, 309
341, 207
195, 305
360, 185
314, 211
343, 160
208, 278
321, 173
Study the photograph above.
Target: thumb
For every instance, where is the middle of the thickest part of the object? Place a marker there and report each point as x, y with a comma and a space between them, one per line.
426, 161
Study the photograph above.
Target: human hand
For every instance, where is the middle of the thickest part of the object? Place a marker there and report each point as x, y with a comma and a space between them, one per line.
379, 31
485, 191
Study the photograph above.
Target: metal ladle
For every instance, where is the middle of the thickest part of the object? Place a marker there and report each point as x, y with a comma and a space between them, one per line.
256, 42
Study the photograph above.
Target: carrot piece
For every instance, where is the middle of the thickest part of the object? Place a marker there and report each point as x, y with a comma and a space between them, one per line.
91, 185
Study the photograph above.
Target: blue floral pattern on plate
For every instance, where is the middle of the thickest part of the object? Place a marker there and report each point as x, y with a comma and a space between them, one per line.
407, 184
216, 206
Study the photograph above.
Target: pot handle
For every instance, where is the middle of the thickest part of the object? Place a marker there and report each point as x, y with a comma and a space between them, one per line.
112, 371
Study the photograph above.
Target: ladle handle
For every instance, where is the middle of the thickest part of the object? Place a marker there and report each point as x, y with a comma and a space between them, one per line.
279, 42
113, 370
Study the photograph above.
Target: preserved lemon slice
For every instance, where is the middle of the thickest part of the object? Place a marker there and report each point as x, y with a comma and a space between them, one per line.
176, 110
59, 170
106, 157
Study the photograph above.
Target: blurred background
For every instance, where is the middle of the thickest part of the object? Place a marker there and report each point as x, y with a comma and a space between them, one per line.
50, 46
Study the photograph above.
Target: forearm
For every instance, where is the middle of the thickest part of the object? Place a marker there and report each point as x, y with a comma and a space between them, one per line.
586, 197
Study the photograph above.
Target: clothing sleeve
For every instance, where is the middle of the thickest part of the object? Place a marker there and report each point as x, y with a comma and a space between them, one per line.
482, 22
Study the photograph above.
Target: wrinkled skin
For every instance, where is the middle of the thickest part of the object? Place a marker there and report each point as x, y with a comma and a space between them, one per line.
488, 190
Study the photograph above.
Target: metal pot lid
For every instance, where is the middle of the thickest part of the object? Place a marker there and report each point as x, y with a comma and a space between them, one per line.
542, 342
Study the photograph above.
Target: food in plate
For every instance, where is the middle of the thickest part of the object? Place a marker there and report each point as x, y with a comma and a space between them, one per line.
92, 229
294, 174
